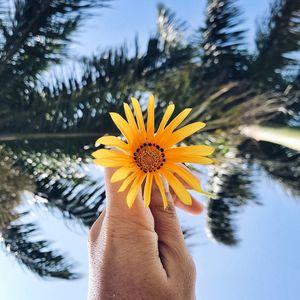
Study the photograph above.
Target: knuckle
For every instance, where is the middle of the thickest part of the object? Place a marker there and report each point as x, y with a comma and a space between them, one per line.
190, 268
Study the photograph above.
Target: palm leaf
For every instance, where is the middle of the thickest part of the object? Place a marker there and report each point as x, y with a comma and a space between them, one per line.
222, 46
20, 241
171, 30
280, 163
231, 183
37, 32
276, 39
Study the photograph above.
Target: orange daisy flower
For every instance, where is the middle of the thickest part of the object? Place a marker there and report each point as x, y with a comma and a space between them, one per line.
148, 155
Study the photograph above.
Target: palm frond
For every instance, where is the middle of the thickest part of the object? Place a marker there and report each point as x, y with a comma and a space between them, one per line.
12, 184
34, 34
37, 32
280, 163
231, 183
171, 30
21, 242
222, 46
81, 105
80, 200
239, 104
59, 182
277, 38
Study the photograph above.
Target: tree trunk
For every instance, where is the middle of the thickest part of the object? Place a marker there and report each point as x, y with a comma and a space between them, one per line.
285, 136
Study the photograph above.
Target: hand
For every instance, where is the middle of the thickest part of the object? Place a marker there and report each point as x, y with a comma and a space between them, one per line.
140, 253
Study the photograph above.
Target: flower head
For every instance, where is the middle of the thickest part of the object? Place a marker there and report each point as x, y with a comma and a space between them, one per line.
151, 156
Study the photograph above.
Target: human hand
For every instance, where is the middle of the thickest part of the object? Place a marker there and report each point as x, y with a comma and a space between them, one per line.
140, 253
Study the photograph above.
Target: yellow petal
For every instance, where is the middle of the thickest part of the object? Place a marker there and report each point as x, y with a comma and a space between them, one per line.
147, 189
166, 117
108, 163
187, 176
177, 187
132, 194
183, 132
134, 129
139, 116
112, 141
122, 125
111, 158
150, 119
178, 119
193, 159
161, 188
130, 117
127, 181
191, 180
165, 134
105, 153
197, 150
122, 173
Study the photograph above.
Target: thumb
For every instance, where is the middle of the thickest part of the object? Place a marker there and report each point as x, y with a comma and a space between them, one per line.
117, 211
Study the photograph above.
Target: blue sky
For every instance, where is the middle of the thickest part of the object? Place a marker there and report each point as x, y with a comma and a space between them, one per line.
266, 265
123, 21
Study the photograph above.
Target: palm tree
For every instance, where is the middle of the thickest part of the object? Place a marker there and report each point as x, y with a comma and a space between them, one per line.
47, 127
33, 35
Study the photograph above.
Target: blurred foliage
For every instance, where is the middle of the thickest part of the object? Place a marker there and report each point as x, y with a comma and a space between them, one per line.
277, 40
18, 240
11, 186
222, 43
48, 123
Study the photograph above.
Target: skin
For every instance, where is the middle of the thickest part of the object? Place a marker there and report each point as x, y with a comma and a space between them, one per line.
140, 253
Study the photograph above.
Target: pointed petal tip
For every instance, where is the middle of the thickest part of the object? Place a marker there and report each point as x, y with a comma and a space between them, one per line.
198, 189
129, 203
126, 105
94, 154
98, 141
134, 100
114, 179
151, 97
112, 115
212, 150
202, 124
208, 194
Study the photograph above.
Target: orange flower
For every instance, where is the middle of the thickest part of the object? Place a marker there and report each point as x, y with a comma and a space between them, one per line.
148, 155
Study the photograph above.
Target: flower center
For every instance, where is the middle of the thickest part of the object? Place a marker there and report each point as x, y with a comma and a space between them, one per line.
149, 157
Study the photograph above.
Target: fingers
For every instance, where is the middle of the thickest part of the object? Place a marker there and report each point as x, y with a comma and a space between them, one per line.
195, 209
117, 211
170, 238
